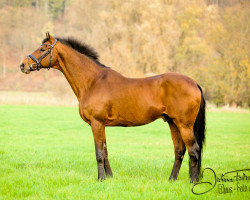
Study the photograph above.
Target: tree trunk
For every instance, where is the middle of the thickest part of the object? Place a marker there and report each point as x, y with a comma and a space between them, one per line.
4, 66
46, 7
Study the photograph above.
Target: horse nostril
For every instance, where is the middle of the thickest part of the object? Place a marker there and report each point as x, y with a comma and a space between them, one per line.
22, 66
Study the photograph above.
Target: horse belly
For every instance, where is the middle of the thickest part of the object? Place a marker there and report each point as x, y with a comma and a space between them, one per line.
135, 115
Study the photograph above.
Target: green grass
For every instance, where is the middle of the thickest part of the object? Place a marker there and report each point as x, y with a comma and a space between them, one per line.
48, 153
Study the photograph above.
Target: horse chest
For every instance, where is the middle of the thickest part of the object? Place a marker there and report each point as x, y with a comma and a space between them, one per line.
83, 111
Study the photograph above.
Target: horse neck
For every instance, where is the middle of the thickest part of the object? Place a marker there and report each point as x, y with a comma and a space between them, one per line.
80, 71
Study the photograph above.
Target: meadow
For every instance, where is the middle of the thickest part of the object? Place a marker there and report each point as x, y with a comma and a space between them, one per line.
48, 153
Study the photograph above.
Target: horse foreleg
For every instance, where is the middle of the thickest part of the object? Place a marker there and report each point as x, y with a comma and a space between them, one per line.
107, 167
179, 150
98, 130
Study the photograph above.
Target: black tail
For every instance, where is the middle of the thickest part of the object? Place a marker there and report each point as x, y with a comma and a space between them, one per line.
200, 126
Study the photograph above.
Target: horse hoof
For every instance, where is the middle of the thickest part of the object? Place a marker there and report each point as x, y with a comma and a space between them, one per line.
109, 175
195, 180
172, 178
101, 178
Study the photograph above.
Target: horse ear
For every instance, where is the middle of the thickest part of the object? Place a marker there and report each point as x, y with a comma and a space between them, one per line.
47, 35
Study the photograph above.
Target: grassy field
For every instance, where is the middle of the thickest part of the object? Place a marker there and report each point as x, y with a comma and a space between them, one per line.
48, 153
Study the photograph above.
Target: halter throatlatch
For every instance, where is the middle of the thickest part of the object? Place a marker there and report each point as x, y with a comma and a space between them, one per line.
37, 63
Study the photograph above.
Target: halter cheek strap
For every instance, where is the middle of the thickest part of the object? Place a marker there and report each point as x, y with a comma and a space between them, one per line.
38, 62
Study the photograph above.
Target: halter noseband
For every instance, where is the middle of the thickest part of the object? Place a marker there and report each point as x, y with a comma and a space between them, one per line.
38, 62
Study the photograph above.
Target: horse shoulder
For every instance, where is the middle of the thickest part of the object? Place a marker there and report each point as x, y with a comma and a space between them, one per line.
97, 102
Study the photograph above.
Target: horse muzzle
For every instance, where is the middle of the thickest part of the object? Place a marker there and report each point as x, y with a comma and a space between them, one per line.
26, 71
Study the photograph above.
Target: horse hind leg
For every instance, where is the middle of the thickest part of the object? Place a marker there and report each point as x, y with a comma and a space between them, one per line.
188, 137
179, 150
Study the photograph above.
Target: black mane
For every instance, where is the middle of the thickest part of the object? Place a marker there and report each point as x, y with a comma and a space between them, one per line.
80, 47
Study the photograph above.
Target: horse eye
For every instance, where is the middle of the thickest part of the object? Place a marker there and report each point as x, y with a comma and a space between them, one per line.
42, 49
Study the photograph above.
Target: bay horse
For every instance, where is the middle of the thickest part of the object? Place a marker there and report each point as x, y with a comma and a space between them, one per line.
107, 98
